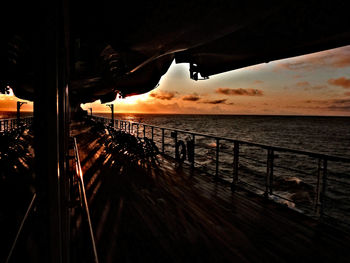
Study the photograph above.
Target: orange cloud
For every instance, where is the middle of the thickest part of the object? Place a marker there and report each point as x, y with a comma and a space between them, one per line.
163, 95
341, 82
240, 92
221, 101
191, 97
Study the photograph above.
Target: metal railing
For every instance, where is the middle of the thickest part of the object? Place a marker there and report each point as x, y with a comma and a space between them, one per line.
314, 183
83, 198
29, 209
13, 123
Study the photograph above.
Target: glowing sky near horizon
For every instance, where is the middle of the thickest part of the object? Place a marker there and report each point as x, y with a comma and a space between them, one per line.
314, 84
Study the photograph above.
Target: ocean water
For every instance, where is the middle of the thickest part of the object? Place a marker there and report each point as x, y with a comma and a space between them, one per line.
12, 114
328, 135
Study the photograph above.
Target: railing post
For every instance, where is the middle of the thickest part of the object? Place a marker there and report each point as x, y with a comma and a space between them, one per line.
162, 140
152, 133
269, 172
324, 186
317, 201
137, 131
173, 135
193, 150
217, 158
144, 131
129, 127
235, 165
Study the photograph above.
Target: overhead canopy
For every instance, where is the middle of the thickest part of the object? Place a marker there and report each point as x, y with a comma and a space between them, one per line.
125, 49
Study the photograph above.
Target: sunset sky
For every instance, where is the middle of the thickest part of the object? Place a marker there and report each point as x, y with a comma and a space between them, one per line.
315, 84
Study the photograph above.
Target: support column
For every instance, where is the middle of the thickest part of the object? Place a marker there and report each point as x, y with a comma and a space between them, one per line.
50, 135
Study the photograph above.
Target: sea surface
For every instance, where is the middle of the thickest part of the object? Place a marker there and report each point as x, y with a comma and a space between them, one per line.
12, 114
328, 135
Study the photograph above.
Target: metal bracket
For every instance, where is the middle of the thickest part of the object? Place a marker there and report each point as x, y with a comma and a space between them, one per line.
194, 73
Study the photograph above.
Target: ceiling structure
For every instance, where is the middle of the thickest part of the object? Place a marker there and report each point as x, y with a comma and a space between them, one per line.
126, 48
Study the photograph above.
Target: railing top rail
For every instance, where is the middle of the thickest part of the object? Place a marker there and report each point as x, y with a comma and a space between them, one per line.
272, 147
9, 119
85, 203
21, 227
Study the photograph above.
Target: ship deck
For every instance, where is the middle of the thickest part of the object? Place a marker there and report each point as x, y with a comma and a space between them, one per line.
174, 214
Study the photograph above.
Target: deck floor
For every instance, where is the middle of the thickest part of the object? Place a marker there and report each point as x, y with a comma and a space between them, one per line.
172, 214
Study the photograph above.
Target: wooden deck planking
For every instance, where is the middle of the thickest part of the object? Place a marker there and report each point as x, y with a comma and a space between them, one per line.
174, 215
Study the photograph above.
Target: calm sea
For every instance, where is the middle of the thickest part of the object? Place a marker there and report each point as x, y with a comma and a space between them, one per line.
328, 135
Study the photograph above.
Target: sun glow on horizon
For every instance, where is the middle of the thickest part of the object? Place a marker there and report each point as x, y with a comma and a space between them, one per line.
131, 100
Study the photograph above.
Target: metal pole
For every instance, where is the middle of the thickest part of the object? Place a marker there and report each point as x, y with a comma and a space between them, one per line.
269, 172
193, 150
266, 194
19, 105
144, 131
235, 164
111, 106
318, 189
152, 133
50, 68
324, 186
162, 140
217, 158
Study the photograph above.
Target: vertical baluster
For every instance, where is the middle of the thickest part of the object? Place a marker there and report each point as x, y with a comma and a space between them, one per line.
137, 131
193, 150
318, 189
152, 133
144, 131
217, 158
162, 140
174, 135
235, 165
324, 186
269, 172
272, 157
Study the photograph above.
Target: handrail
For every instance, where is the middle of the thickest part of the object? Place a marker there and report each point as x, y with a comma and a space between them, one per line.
11, 123
21, 227
265, 146
83, 196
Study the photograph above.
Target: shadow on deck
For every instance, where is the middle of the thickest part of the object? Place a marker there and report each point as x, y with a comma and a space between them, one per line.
171, 214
